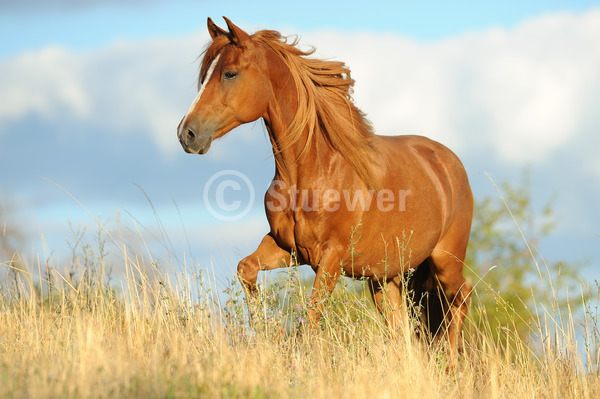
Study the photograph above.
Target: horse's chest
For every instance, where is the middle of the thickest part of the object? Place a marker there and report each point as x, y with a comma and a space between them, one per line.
297, 225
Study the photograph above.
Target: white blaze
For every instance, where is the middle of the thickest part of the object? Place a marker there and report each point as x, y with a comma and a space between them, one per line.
209, 73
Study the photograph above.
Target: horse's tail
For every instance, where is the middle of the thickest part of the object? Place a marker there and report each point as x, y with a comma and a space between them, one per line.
428, 303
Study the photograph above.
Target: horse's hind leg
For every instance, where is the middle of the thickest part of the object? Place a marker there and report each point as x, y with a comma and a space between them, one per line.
446, 261
454, 296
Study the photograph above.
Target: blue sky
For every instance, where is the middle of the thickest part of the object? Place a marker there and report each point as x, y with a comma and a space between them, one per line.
81, 25
91, 93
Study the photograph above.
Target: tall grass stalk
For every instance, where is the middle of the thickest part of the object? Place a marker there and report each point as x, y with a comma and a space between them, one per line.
158, 332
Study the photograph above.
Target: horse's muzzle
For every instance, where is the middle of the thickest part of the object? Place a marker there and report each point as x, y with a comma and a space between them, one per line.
192, 141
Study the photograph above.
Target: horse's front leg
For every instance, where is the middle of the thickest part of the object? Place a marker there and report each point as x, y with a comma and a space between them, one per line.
328, 272
267, 256
387, 297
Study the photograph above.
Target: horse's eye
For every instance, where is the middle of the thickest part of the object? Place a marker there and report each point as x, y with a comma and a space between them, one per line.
229, 75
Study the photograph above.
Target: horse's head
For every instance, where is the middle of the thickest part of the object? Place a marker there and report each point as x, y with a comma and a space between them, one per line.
233, 88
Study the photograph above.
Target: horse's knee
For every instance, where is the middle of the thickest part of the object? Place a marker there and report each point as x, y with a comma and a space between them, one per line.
463, 297
247, 272
462, 293
466, 291
458, 299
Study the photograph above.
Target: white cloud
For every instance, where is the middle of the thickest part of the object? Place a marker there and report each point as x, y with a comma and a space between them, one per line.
44, 83
522, 93
128, 87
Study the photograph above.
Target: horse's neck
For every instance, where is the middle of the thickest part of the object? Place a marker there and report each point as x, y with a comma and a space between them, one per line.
290, 165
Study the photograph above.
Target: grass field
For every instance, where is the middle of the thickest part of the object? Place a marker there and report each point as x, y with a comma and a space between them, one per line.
154, 333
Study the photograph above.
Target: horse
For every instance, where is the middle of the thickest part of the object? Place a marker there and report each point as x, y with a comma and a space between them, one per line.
406, 197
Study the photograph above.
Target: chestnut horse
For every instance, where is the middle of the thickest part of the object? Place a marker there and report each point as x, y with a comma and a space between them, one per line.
405, 199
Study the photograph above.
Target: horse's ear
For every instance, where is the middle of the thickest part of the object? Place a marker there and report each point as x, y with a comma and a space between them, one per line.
236, 35
214, 30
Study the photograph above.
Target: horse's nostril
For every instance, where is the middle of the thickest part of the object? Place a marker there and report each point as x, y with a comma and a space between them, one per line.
190, 134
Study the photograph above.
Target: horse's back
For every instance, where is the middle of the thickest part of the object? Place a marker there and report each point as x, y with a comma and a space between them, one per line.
423, 148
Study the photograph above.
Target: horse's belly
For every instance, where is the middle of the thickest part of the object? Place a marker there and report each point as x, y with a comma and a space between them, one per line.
390, 244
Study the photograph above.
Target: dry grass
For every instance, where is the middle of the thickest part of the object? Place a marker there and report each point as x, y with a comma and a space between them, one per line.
171, 335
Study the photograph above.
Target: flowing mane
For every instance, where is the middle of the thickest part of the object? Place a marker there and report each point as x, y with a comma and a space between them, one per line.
325, 104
